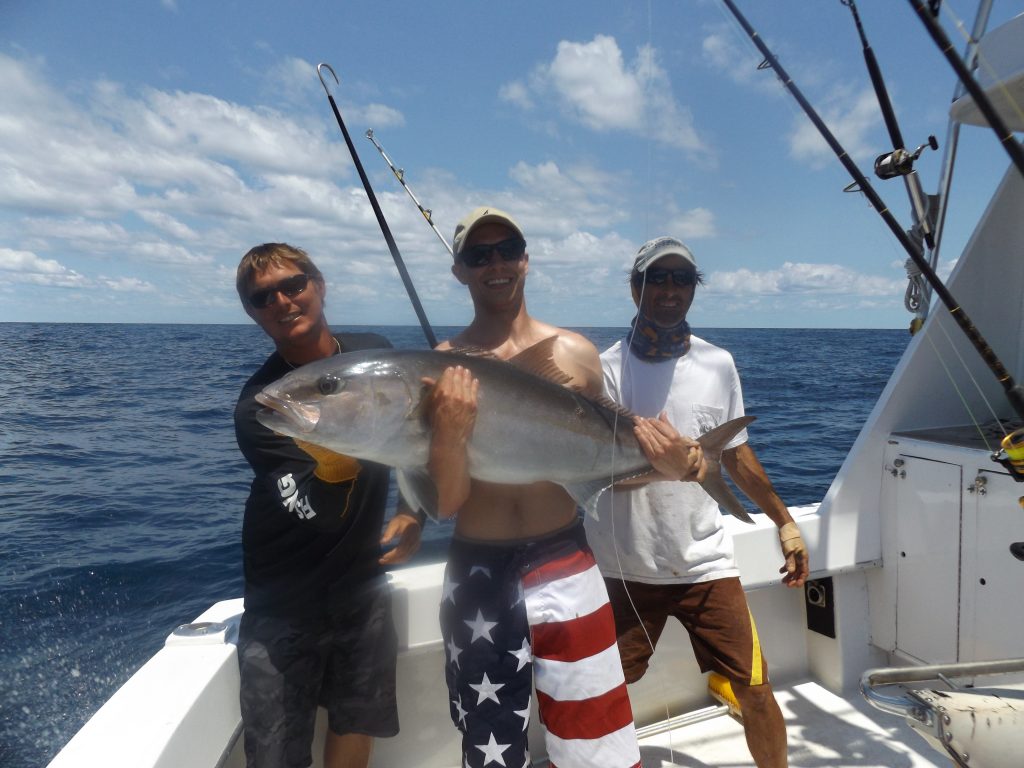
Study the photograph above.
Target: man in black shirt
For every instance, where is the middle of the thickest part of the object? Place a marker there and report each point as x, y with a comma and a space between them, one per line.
317, 626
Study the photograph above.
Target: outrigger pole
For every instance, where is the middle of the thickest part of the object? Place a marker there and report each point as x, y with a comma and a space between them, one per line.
402, 271
1014, 392
400, 175
984, 104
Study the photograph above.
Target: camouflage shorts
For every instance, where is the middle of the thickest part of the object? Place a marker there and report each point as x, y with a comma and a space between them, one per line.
344, 662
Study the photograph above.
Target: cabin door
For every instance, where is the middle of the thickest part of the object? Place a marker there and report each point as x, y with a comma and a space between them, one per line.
993, 576
928, 559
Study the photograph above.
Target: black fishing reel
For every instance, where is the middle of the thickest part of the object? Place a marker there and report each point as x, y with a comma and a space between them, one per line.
900, 162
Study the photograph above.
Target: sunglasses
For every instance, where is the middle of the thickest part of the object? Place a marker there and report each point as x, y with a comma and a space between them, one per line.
655, 276
290, 287
477, 256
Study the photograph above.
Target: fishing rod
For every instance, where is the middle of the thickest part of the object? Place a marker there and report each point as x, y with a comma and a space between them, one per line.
400, 175
981, 99
898, 162
402, 271
1014, 392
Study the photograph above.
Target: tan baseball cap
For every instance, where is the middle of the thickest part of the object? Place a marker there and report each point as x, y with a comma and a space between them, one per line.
476, 217
658, 248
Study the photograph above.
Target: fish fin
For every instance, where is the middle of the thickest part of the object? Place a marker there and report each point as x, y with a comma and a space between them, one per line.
540, 361
712, 442
418, 411
418, 490
469, 351
717, 489
587, 493
606, 402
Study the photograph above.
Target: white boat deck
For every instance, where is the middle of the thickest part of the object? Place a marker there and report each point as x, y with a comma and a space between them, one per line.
824, 730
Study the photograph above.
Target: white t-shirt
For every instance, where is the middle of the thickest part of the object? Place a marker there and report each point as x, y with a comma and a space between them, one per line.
668, 531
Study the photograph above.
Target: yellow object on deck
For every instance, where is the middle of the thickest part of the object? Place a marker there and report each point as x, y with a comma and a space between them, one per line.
721, 689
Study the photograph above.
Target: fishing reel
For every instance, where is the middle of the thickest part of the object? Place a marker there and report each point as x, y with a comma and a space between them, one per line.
1011, 454
900, 162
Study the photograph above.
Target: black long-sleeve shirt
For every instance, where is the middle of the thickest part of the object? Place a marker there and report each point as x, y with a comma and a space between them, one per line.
305, 542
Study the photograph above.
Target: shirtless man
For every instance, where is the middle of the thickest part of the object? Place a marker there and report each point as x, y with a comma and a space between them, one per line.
523, 597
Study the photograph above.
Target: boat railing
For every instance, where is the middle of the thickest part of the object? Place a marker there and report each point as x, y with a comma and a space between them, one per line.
908, 704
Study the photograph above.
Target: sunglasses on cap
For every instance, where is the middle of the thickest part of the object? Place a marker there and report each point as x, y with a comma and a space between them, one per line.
477, 256
290, 287
656, 276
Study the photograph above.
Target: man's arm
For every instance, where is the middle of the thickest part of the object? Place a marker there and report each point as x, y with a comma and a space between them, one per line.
748, 474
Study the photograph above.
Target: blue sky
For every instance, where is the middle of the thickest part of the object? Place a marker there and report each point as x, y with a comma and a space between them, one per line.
145, 146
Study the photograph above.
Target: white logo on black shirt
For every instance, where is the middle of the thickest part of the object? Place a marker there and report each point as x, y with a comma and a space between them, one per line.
300, 506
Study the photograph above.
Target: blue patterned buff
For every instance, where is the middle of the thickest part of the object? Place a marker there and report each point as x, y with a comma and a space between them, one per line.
649, 342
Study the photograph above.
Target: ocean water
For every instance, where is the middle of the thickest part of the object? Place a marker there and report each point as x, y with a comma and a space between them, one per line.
123, 489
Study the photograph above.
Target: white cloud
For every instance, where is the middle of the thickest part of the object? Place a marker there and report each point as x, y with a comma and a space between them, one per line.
802, 279
594, 84
27, 267
295, 75
693, 224
738, 63
377, 116
140, 179
516, 93
127, 285
169, 225
849, 117
558, 201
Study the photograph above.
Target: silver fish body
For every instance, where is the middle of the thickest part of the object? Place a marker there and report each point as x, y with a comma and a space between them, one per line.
368, 404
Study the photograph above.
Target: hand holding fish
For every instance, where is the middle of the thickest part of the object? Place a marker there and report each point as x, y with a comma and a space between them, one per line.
674, 456
405, 527
451, 412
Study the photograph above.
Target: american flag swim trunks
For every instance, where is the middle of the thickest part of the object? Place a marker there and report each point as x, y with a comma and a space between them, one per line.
515, 612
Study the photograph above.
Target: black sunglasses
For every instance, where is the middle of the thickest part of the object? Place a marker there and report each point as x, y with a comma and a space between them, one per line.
655, 276
290, 287
476, 256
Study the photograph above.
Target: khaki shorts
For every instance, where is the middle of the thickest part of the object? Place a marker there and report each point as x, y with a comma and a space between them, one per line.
714, 613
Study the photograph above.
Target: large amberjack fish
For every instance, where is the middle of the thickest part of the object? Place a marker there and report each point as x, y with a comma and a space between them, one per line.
529, 427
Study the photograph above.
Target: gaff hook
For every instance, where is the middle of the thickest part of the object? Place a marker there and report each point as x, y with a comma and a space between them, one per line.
319, 71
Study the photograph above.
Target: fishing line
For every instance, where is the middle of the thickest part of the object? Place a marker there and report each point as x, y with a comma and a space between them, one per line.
625, 371
970, 375
956, 388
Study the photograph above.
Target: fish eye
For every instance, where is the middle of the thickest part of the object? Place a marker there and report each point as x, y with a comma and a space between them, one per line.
329, 384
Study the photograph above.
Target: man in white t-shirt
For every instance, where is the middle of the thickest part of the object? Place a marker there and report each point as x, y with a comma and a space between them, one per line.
662, 546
